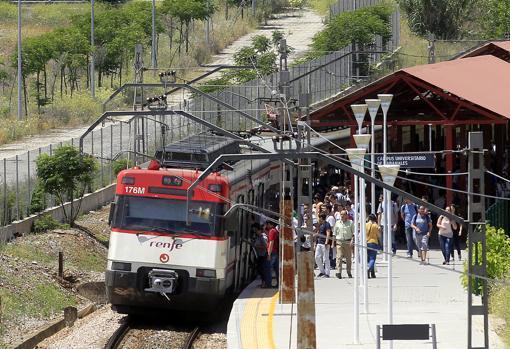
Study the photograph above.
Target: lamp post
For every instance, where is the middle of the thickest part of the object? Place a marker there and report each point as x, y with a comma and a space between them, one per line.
362, 141
385, 105
356, 156
389, 174
373, 108
360, 110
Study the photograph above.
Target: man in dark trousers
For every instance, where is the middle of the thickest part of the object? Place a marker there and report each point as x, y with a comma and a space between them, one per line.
273, 255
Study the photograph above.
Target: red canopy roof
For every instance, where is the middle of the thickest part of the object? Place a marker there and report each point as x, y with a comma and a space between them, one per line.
463, 91
500, 49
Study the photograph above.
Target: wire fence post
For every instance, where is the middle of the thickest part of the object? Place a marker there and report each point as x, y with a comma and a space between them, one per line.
17, 190
101, 153
6, 208
111, 154
29, 191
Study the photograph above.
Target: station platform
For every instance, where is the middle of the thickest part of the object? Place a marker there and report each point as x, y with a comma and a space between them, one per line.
422, 294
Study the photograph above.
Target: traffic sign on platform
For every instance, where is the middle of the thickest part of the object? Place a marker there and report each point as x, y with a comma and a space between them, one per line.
408, 160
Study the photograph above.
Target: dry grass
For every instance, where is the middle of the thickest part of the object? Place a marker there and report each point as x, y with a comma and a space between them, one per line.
322, 6
81, 109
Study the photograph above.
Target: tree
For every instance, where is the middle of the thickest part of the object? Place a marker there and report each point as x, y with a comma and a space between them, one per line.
496, 19
187, 11
360, 26
66, 174
443, 18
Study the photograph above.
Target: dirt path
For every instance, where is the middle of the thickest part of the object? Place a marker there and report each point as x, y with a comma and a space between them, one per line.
298, 26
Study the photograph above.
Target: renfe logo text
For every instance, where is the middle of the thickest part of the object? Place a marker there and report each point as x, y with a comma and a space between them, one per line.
174, 245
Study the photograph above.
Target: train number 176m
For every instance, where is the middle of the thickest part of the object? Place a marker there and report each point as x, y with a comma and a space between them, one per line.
135, 190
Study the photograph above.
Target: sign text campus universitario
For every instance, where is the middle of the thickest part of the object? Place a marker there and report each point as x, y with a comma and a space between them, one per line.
408, 160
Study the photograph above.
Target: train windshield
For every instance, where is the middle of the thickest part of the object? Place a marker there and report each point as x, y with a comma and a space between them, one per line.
167, 216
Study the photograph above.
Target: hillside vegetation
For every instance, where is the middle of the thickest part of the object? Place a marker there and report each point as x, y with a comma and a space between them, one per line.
56, 52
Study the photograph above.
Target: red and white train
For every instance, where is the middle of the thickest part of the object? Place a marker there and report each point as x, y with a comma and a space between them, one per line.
155, 259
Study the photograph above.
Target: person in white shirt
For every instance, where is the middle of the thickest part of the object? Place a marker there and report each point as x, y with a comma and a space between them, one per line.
446, 228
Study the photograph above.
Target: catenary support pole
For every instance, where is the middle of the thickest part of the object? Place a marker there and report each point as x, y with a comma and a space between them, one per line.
306, 302
477, 245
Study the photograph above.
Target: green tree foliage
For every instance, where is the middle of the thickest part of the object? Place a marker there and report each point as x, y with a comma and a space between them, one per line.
262, 54
187, 11
443, 18
498, 263
496, 19
66, 174
360, 26
121, 164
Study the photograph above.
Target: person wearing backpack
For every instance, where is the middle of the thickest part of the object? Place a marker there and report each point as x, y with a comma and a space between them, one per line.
422, 225
407, 212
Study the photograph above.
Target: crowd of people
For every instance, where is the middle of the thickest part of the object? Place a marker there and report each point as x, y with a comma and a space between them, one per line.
332, 220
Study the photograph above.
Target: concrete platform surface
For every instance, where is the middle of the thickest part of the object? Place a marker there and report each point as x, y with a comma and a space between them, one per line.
422, 294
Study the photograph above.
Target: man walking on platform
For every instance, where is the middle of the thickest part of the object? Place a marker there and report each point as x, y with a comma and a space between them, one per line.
344, 234
407, 212
322, 247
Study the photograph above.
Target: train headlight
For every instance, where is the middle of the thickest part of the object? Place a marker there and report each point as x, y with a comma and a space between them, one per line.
206, 273
121, 266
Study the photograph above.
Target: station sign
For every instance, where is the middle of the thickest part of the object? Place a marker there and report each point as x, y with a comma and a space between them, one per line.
408, 160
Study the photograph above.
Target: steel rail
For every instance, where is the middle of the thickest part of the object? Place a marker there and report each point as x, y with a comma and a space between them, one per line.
119, 334
191, 338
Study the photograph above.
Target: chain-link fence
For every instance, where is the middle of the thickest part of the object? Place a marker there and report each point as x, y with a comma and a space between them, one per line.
128, 138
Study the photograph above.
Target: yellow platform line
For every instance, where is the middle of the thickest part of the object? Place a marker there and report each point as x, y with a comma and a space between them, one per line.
257, 321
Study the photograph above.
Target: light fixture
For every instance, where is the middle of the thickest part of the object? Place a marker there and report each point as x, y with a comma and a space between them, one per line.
362, 141
359, 111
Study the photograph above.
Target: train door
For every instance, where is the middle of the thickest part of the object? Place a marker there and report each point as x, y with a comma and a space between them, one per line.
240, 214
248, 255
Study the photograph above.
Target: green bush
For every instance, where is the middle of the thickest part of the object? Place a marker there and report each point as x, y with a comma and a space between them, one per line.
121, 164
498, 263
45, 223
360, 26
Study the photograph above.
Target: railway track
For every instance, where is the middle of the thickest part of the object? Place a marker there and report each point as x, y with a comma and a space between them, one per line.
121, 337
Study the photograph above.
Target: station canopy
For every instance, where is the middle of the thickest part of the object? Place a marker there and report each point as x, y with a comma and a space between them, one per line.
500, 49
471, 90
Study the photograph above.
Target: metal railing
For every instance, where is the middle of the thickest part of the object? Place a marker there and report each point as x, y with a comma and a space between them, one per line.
324, 77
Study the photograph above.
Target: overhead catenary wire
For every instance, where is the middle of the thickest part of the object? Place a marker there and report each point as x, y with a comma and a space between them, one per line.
412, 180
300, 230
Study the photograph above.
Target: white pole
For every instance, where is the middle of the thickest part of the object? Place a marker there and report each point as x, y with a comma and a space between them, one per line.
385, 192
372, 166
362, 257
356, 263
20, 103
92, 64
387, 200
364, 250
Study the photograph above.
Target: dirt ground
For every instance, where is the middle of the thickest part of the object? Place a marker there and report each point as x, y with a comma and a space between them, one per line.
31, 291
